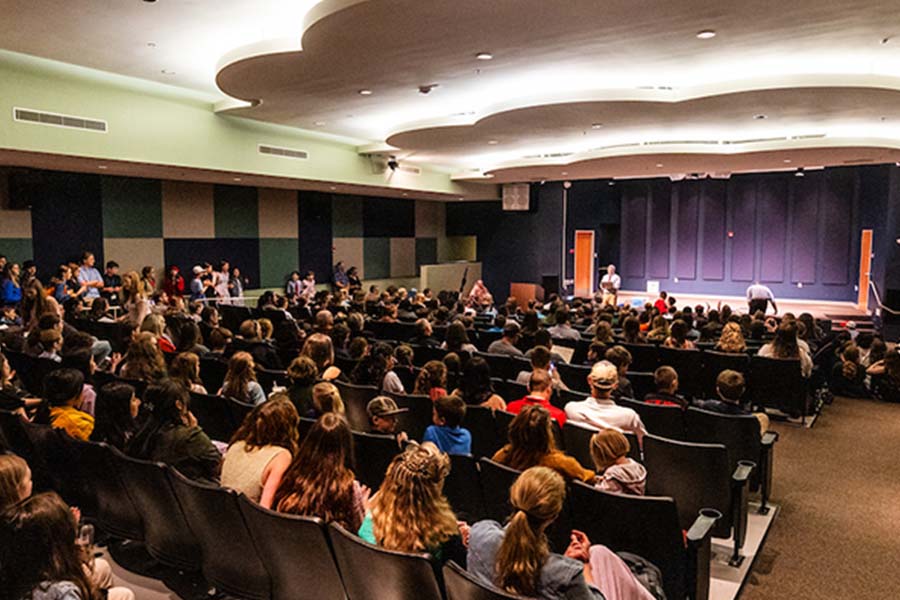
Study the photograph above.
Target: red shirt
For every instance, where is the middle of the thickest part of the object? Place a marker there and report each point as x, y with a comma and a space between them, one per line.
660, 305
517, 406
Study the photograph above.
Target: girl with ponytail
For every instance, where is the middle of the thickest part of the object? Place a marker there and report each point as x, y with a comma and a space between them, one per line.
848, 378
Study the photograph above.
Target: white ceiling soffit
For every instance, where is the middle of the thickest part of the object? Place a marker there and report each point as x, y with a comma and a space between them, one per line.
829, 69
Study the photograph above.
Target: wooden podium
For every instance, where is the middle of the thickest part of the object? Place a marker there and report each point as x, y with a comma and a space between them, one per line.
524, 292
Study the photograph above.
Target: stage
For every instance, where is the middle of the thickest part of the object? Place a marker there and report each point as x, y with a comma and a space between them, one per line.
820, 309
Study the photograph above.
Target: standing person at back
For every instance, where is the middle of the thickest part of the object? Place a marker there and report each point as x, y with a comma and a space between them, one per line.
90, 277
599, 410
759, 297
447, 433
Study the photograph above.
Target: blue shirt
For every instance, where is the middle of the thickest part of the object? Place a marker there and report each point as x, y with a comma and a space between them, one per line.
88, 275
452, 440
12, 294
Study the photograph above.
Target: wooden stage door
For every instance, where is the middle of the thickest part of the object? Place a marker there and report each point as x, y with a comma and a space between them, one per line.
584, 262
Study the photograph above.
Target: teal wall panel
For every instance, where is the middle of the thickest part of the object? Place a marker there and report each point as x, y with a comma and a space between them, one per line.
132, 207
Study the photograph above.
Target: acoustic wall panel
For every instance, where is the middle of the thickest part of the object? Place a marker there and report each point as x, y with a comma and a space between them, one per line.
804, 227
389, 217
742, 206
377, 257
659, 223
686, 228
236, 211
241, 253
133, 254
314, 232
277, 258
347, 216
772, 211
277, 213
838, 216
634, 231
132, 207
403, 257
66, 220
430, 219
712, 216
350, 252
426, 251
187, 210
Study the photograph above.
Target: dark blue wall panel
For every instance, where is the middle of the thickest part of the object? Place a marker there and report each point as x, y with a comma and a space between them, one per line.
742, 206
836, 208
712, 215
389, 217
314, 232
804, 228
772, 211
240, 252
686, 229
634, 232
659, 221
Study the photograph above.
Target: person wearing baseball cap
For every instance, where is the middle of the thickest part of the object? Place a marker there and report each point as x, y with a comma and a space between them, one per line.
599, 411
383, 412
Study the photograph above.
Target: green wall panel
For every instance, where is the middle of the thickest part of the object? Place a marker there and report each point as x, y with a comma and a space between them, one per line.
132, 208
18, 250
236, 211
377, 256
277, 258
426, 252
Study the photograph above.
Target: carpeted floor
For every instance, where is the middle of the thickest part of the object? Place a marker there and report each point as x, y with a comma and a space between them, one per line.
838, 484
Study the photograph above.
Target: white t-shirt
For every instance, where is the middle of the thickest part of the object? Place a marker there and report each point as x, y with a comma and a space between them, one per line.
614, 279
605, 414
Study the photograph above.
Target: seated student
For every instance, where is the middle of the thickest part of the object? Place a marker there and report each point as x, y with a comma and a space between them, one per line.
143, 361
542, 338
678, 333
785, 345
15, 480
732, 339
377, 369
456, 339
507, 344
562, 330
261, 450
540, 360
319, 482
531, 443
302, 373
51, 343
631, 331
410, 512
432, 380
446, 433
621, 358
600, 411
185, 369
475, 386
240, 380
326, 398
62, 390
615, 471
40, 559
171, 434
730, 388
848, 376
218, 341
12, 397
424, 334
517, 558
383, 413
540, 390
115, 415
666, 380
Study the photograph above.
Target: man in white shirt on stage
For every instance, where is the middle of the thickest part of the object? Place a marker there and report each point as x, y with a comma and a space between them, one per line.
609, 286
758, 298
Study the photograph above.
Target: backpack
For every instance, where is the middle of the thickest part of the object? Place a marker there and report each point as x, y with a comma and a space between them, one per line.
646, 573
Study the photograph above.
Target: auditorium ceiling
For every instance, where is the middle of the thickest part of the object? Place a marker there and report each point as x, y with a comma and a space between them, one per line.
518, 90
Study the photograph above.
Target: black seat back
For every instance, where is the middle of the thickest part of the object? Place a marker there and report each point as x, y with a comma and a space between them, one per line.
166, 533
463, 488
373, 573
213, 416
664, 421
109, 501
486, 439
269, 378
644, 357
695, 475
212, 373
374, 453
501, 365
17, 436
463, 586
356, 398
295, 552
496, 479
778, 383
641, 383
689, 366
716, 362
644, 525
418, 417
738, 433
575, 377
229, 560
578, 443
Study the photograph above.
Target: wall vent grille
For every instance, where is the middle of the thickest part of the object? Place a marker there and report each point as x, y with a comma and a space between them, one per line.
283, 152
37, 117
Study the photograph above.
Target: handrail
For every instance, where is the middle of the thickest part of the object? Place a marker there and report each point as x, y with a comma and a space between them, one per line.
878, 300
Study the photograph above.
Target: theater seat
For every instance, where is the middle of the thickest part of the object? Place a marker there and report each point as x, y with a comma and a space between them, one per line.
374, 453
213, 416
294, 551
649, 527
716, 362
112, 507
373, 573
463, 488
689, 366
461, 585
644, 357
228, 556
212, 373
486, 438
418, 418
496, 479
664, 421
778, 383
355, 398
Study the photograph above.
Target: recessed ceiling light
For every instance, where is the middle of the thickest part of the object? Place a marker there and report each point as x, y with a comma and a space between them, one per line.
237, 178
365, 92
706, 34
151, 44
596, 125
405, 194
104, 167
167, 72
787, 161
493, 142
564, 173
611, 182
759, 117
799, 172
319, 123
484, 56
659, 165
332, 188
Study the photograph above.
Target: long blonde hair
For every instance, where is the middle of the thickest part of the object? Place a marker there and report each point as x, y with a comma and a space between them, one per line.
241, 371
537, 498
13, 472
132, 291
144, 361
410, 512
732, 339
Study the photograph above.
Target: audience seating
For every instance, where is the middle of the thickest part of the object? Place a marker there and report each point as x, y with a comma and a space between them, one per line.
641, 383
373, 573
716, 362
295, 552
698, 476
16, 432
269, 378
117, 334
778, 383
689, 366
239, 410
356, 398
644, 357
231, 316
649, 527
496, 479
485, 437
664, 421
422, 354
167, 536
461, 585
214, 416
575, 377
378, 450
501, 365
101, 378
741, 437
212, 373
223, 537
418, 416
463, 487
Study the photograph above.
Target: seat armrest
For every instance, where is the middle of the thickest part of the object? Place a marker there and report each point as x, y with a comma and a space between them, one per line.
769, 438
742, 472
701, 529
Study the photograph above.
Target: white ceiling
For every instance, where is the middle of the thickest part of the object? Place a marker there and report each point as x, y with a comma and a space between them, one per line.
826, 74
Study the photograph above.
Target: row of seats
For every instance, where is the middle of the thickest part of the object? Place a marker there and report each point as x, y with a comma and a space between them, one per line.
247, 551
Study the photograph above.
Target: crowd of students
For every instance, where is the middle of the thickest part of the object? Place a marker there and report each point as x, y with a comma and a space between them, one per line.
318, 333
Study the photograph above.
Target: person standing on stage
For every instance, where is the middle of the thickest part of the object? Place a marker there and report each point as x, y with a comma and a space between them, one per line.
609, 285
758, 298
